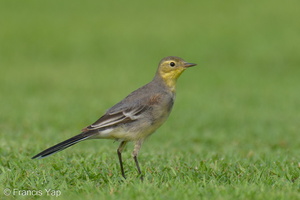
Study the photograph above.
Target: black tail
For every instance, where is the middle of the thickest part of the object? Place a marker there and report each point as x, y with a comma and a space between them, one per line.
65, 144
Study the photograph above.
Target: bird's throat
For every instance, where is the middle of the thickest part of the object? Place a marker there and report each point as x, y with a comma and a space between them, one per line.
170, 79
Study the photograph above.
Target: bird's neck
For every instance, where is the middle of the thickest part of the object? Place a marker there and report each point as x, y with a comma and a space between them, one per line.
169, 82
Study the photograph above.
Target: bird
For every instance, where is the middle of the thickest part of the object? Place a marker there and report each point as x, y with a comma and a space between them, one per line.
135, 117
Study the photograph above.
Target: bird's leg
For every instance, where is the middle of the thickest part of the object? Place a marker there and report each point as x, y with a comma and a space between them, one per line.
119, 151
135, 152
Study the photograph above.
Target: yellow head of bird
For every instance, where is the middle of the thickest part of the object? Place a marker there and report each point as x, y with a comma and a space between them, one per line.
170, 68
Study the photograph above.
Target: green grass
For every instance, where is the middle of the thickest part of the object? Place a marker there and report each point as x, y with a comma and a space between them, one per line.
234, 129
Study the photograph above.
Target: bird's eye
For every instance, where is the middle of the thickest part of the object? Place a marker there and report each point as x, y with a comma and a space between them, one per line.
172, 64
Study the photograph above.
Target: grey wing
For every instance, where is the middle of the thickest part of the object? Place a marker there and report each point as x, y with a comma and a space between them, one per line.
129, 109
116, 117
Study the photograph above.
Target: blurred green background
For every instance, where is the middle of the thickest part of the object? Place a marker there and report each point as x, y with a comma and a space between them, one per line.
63, 63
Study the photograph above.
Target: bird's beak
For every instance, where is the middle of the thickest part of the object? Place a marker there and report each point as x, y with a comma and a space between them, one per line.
186, 65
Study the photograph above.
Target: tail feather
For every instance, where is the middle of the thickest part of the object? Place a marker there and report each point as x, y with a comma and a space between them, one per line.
63, 145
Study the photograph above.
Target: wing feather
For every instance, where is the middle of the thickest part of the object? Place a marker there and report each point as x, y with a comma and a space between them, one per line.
117, 117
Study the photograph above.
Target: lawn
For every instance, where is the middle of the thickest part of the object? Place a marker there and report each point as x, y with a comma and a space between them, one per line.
234, 129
